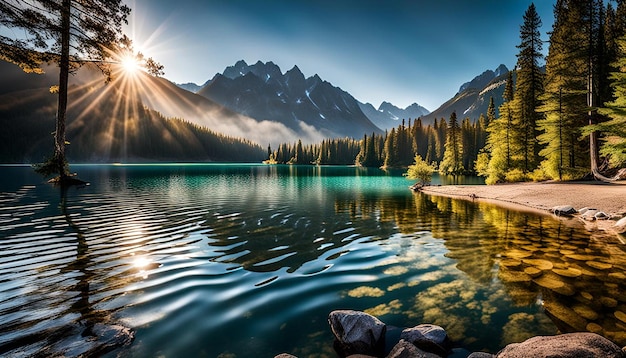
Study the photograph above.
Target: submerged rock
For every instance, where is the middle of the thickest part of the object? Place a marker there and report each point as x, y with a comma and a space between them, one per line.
357, 333
564, 345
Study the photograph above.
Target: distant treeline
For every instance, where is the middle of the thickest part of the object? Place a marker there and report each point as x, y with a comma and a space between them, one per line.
124, 132
395, 148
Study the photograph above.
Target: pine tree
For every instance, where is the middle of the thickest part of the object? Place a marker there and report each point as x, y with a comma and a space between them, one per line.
390, 149
565, 93
528, 88
501, 141
452, 163
70, 33
614, 130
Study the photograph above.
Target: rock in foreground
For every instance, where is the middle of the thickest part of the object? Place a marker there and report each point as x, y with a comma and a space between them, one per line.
574, 345
357, 333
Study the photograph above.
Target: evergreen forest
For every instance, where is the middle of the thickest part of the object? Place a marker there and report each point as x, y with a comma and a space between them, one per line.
563, 116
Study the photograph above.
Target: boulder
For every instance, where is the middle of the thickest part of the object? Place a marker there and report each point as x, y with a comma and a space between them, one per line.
601, 215
620, 226
357, 333
428, 337
582, 211
589, 215
285, 355
575, 345
406, 349
564, 210
480, 355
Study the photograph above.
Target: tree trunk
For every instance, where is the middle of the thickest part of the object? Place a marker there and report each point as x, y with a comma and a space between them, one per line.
64, 68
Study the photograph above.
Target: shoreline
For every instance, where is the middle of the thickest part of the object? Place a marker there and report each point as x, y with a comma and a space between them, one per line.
541, 197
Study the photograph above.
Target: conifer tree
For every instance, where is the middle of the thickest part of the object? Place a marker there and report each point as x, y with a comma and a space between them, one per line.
565, 93
528, 88
452, 163
70, 33
501, 142
390, 149
614, 130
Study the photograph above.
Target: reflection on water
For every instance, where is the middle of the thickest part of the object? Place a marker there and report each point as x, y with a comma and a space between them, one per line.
249, 260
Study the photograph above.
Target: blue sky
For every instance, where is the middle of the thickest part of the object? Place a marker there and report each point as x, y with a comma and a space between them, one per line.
377, 50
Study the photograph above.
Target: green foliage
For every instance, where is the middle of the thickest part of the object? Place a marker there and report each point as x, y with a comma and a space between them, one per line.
481, 165
420, 170
516, 175
614, 130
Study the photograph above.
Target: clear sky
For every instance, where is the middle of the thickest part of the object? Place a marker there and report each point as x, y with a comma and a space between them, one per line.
400, 51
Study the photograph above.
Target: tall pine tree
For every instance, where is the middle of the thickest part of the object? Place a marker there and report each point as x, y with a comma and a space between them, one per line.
528, 88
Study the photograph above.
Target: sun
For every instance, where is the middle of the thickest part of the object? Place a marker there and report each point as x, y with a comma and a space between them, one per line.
130, 64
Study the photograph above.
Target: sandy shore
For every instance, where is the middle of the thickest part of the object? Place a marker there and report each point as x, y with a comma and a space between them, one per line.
609, 198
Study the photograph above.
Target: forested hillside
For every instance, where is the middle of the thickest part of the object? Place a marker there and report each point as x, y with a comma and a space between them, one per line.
106, 124
562, 122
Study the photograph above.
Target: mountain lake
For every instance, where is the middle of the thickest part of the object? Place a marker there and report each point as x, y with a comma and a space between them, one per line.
234, 260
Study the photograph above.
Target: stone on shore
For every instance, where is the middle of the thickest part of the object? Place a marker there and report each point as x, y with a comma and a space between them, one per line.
357, 333
565, 345
428, 337
620, 226
563, 210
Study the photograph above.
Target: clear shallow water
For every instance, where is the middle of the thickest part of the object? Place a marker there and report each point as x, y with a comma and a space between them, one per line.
248, 260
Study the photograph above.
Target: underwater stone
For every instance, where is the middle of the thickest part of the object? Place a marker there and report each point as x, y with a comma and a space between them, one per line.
565, 315
539, 263
569, 272
533, 272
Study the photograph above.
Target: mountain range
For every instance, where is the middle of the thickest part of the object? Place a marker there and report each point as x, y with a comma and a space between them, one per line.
256, 102
261, 91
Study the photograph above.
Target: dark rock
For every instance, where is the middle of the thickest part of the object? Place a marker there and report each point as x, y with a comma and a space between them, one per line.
357, 333
428, 337
578, 345
601, 215
406, 349
481, 355
564, 210
360, 356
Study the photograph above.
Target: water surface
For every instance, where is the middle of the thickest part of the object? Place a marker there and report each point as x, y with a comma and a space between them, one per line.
248, 260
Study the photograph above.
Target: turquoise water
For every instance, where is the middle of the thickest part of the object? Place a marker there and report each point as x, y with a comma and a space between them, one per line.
248, 260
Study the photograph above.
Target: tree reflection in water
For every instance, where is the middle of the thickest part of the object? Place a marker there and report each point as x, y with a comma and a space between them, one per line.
574, 277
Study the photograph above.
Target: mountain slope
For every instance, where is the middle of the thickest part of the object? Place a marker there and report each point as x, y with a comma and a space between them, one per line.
112, 122
473, 97
388, 116
263, 92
